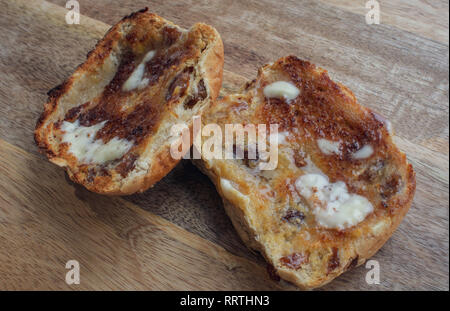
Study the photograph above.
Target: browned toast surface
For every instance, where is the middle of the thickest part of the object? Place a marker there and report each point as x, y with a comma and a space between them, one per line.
108, 123
340, 188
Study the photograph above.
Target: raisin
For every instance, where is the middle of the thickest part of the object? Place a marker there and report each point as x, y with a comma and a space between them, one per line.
294, 261
201, 95
299, 160
390, 187
179, 84
127, 164
333, 262
157, 65
73, 113
374, 170
91, 175
190, 103
93, 172
294, 217
202, 90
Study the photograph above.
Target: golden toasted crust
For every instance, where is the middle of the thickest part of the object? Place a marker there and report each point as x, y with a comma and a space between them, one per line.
182, 77
266, 207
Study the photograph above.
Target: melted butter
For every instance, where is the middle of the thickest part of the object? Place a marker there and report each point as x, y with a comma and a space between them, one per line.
332, 205
281, 89
363, 153
136, 79
329, 147
89, 150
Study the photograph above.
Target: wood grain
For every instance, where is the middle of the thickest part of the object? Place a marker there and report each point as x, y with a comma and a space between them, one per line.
46, 220
422, 17
120, 240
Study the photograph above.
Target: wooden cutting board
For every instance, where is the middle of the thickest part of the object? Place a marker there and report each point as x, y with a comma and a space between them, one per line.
176, 235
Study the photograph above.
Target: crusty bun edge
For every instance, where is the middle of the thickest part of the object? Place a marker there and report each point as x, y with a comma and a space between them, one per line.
364, 248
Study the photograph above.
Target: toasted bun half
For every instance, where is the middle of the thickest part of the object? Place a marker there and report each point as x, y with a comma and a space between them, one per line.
109, 123
339, 189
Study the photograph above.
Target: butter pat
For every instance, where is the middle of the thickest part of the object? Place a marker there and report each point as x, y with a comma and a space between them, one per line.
281, 89
331, 203
135, 80
363, 153
329, 147
89, 150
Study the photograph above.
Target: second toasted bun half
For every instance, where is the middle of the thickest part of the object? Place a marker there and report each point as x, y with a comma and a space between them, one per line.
340, 186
